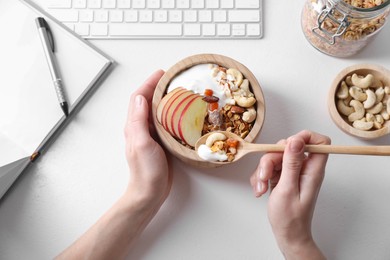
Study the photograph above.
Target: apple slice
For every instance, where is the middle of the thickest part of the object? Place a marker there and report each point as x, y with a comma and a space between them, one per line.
171, 106
191, 121
175, 118
164, 101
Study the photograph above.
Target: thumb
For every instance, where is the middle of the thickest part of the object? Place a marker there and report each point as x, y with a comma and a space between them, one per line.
292, 163
138, 118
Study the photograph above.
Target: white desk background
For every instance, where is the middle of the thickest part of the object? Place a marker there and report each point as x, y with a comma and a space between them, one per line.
209, 214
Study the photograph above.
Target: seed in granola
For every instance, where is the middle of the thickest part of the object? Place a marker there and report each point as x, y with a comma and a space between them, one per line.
237, 110
210, 99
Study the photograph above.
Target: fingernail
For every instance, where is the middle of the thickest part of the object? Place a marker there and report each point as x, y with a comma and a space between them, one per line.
296, 146
138, 101
261, 174
258, 187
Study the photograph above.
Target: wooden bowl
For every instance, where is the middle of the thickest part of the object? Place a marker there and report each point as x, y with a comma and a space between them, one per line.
342, 121
182, 152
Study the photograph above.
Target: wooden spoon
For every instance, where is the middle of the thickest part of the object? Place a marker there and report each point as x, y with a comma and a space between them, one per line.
245, 148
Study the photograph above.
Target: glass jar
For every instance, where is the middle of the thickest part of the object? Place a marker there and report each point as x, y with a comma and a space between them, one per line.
341, 28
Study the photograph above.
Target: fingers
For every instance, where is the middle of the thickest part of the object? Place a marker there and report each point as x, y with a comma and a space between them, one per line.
293, 157
138, 119
138, 112
268, 170
294, 164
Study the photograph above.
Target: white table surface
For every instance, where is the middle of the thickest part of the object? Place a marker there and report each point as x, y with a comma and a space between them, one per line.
209, 214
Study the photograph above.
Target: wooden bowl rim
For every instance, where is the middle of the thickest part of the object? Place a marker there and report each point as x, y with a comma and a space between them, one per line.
339, 120
184, 153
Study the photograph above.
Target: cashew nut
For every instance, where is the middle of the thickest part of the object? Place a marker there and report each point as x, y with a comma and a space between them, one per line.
378, 122
235, 76
343, 108
387, 90
357, 93
245, 86
362, 125
384, 114
215, 137
347, 100
376, 109
359, 111
250, 115
370, 117
348, 80
245, 101
371, 99
361, 82
379, 119
388, 106
342, 92
380, 93
244, 90
377, 83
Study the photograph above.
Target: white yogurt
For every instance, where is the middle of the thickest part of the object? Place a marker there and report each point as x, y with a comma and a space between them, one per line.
206, 154
198, 78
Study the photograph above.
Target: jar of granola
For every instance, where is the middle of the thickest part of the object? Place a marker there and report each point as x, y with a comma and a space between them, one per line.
341, 28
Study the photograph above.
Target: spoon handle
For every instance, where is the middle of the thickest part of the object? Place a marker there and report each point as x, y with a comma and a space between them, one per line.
331, 149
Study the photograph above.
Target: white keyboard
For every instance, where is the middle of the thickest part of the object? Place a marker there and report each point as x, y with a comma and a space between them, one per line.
161, 19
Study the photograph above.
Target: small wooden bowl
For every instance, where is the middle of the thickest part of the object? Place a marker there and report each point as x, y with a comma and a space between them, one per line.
177, 149
342, 121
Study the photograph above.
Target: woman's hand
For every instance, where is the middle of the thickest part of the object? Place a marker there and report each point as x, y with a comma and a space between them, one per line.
149, 174
113, 234
295, 180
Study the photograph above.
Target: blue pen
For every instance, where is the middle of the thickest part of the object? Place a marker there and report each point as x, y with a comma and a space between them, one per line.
48, 47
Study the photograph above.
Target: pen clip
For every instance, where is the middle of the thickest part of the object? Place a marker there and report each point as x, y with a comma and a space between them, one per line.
41, 22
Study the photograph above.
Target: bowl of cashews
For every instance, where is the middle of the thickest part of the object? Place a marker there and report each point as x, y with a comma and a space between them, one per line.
359, 101
205, 93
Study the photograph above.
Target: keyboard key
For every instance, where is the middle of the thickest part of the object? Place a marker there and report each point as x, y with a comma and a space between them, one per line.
110, 4
244, 16
123, 4
183, 4
197, 4
65, 15
247, 4
238, 29
139, 4
175, 16
192, 29
153, 4
79, 4
208, 29
131, 16
253, 30
82, 29
219, 16
212, 4
86, 16
190, 16
161, 16
146, 29
116, 16
145, 16
101, 16
228, 3
94, 4
168, 4
205, 16
223, 29
100, 29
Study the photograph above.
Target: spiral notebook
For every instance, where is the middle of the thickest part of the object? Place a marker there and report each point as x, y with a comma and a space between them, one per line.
30, 115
